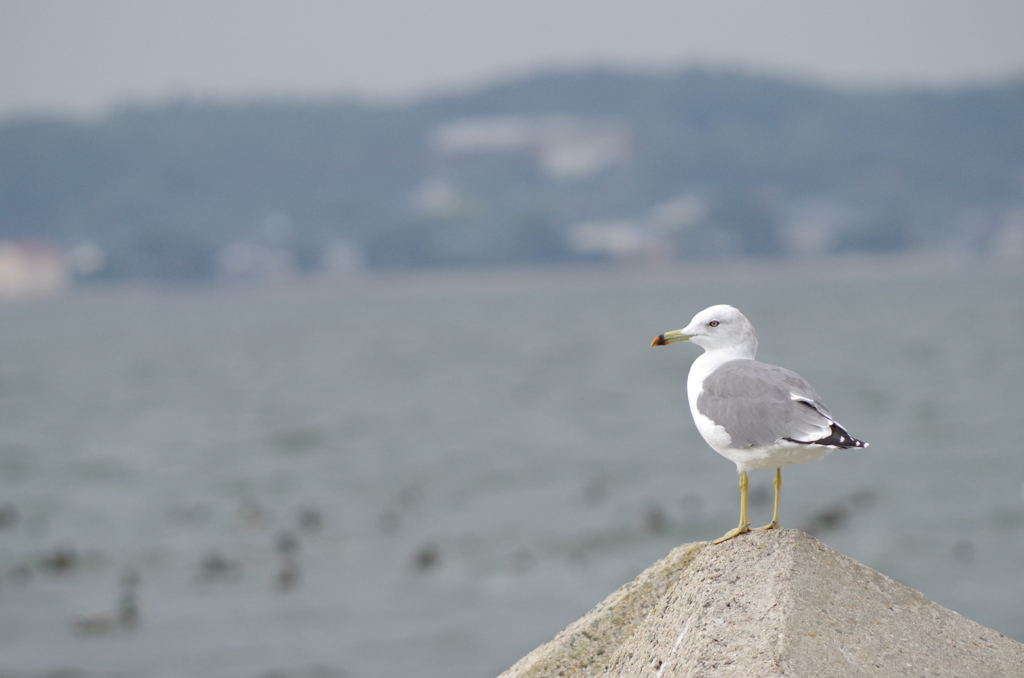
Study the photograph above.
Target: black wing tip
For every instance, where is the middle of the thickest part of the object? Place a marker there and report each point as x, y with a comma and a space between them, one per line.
841, 439
838, 439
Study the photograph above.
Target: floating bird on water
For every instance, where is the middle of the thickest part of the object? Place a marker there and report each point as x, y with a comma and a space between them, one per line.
125, 616
754, 414
287, 575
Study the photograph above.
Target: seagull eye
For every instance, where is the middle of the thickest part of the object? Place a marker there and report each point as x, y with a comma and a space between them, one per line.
713, 323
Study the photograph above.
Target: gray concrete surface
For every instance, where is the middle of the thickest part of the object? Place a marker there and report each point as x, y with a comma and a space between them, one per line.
773, 603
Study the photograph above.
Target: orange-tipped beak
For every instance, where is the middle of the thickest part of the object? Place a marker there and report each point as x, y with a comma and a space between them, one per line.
670, 338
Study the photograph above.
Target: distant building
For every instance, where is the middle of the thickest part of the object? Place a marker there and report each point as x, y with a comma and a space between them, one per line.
32, 269
256, 262
561, 147
619, 240
342, 258
811, 226
647, 239
438, 197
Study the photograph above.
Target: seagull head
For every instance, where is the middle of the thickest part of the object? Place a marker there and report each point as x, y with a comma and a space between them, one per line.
715, 328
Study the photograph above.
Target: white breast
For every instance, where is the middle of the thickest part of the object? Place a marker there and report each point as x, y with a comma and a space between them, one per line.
702, 367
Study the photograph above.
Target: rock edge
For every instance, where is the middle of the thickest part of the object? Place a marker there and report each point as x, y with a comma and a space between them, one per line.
773, 603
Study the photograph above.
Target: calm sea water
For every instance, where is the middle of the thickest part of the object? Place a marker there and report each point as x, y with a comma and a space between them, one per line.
456, 467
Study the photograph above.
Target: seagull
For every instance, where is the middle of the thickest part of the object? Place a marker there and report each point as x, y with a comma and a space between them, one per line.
754, 414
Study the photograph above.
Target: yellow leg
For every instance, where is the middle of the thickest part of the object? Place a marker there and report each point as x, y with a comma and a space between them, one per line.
744, 526
774, 525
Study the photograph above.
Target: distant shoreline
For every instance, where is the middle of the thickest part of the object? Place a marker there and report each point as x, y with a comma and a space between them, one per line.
922, 266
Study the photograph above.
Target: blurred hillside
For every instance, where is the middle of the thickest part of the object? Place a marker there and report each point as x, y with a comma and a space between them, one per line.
593, 165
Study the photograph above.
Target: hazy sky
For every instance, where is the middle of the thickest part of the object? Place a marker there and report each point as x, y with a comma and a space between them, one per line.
85, 55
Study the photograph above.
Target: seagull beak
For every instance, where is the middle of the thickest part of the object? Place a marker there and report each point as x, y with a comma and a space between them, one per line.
670, 338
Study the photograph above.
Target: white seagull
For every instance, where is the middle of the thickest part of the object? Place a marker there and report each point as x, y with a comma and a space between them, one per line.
754, 414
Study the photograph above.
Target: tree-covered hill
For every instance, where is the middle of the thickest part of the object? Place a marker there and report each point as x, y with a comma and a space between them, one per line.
561, 165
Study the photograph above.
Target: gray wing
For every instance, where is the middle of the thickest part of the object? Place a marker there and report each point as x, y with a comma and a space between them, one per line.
761, 404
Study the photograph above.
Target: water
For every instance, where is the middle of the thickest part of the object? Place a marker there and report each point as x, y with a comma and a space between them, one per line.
488, 458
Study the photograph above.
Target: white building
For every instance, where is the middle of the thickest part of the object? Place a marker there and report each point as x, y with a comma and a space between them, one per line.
30, 269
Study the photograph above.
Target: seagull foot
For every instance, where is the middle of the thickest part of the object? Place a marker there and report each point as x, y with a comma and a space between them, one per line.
774, 525
734, 532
